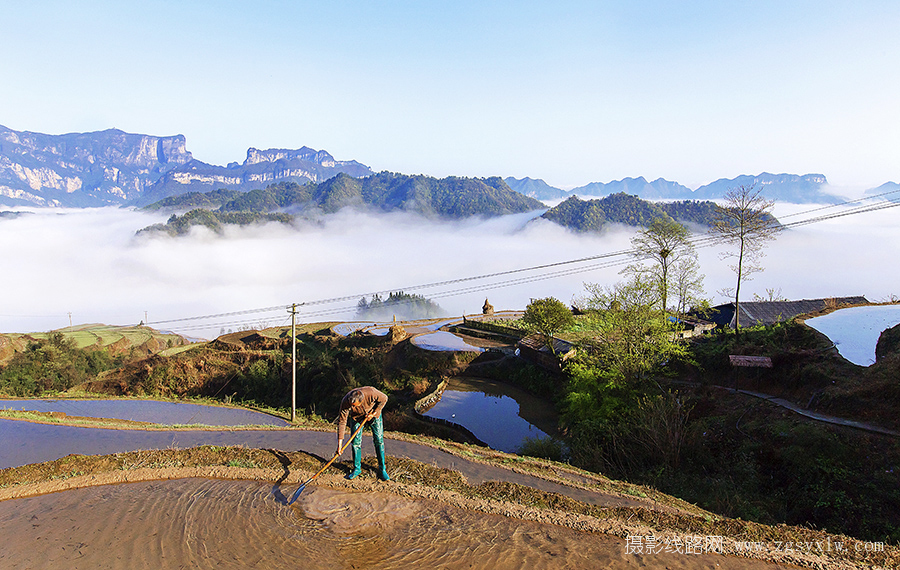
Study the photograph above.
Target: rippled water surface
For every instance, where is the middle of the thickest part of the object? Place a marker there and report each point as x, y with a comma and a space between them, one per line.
201, 523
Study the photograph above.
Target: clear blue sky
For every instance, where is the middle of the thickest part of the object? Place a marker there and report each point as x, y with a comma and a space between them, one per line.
571, 92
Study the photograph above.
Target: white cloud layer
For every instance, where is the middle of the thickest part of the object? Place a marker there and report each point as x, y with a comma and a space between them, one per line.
90, 264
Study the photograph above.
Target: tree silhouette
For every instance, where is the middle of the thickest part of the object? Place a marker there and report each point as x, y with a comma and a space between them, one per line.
744, 222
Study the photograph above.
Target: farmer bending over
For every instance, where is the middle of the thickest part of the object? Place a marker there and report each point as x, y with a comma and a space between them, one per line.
362, 405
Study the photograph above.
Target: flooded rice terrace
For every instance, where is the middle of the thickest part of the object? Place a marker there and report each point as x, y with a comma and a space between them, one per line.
855, 330
208, 523
154, 411
201, 523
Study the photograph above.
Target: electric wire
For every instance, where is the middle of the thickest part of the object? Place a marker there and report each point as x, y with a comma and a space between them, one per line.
863, 206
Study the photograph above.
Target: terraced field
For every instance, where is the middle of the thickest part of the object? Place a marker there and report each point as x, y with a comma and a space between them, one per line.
118, 339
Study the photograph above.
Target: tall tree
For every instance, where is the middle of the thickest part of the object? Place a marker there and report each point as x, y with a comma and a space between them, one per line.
665, 243
745, 222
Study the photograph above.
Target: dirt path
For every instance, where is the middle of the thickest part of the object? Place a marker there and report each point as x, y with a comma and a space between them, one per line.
817, 416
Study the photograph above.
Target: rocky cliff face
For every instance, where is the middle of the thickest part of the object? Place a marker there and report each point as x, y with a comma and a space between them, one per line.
261, 168
115, 168
793, 188
83, 169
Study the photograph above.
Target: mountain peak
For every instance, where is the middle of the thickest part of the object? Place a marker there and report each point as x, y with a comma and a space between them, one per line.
113, 167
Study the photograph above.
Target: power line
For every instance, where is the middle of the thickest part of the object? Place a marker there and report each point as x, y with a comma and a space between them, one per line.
699, 241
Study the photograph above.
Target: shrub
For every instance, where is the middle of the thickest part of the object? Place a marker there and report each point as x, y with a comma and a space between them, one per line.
51, 365
544, 448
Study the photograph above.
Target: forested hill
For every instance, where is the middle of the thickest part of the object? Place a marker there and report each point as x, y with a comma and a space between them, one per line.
449, 198
621, 208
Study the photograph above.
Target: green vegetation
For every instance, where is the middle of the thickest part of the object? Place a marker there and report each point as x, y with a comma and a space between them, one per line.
254, 369
194, 200
673, 270
52, 365
620, 208
639, 406
595, 215
547, 317
741, 456
452, 197
39, 363
543, 448
630, 337
214, 220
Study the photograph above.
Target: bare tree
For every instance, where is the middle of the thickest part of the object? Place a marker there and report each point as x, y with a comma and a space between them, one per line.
687, 285
746, 223
667, 244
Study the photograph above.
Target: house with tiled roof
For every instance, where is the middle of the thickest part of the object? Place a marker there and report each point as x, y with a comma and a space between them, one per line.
771, 312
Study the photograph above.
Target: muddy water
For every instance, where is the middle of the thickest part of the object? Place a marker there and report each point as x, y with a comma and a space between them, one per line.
201, 523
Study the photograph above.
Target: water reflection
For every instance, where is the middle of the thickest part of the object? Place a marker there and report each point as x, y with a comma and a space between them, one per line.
500, 415
166, 413
855, 330
443, 341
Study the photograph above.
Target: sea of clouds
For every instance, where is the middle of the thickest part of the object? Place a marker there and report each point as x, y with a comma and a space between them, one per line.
88, 266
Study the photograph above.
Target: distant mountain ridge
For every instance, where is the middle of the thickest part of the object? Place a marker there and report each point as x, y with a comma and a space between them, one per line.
83, 169
448, 198
113, 167
261, 168
537, 189
793, 188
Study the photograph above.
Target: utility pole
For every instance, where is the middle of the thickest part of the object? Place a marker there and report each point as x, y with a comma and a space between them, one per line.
293, 362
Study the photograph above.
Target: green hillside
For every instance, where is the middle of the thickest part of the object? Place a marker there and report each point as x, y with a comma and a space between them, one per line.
594, 215
37, 364
453, 197
215, 220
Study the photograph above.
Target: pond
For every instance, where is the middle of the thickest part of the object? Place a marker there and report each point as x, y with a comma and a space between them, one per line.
500, 415
166, 413
855, 330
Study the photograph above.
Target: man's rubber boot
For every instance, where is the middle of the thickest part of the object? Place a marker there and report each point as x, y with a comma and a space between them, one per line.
382, 472
357, 462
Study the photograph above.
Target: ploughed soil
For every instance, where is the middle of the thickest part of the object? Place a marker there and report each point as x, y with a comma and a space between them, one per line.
631, 510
